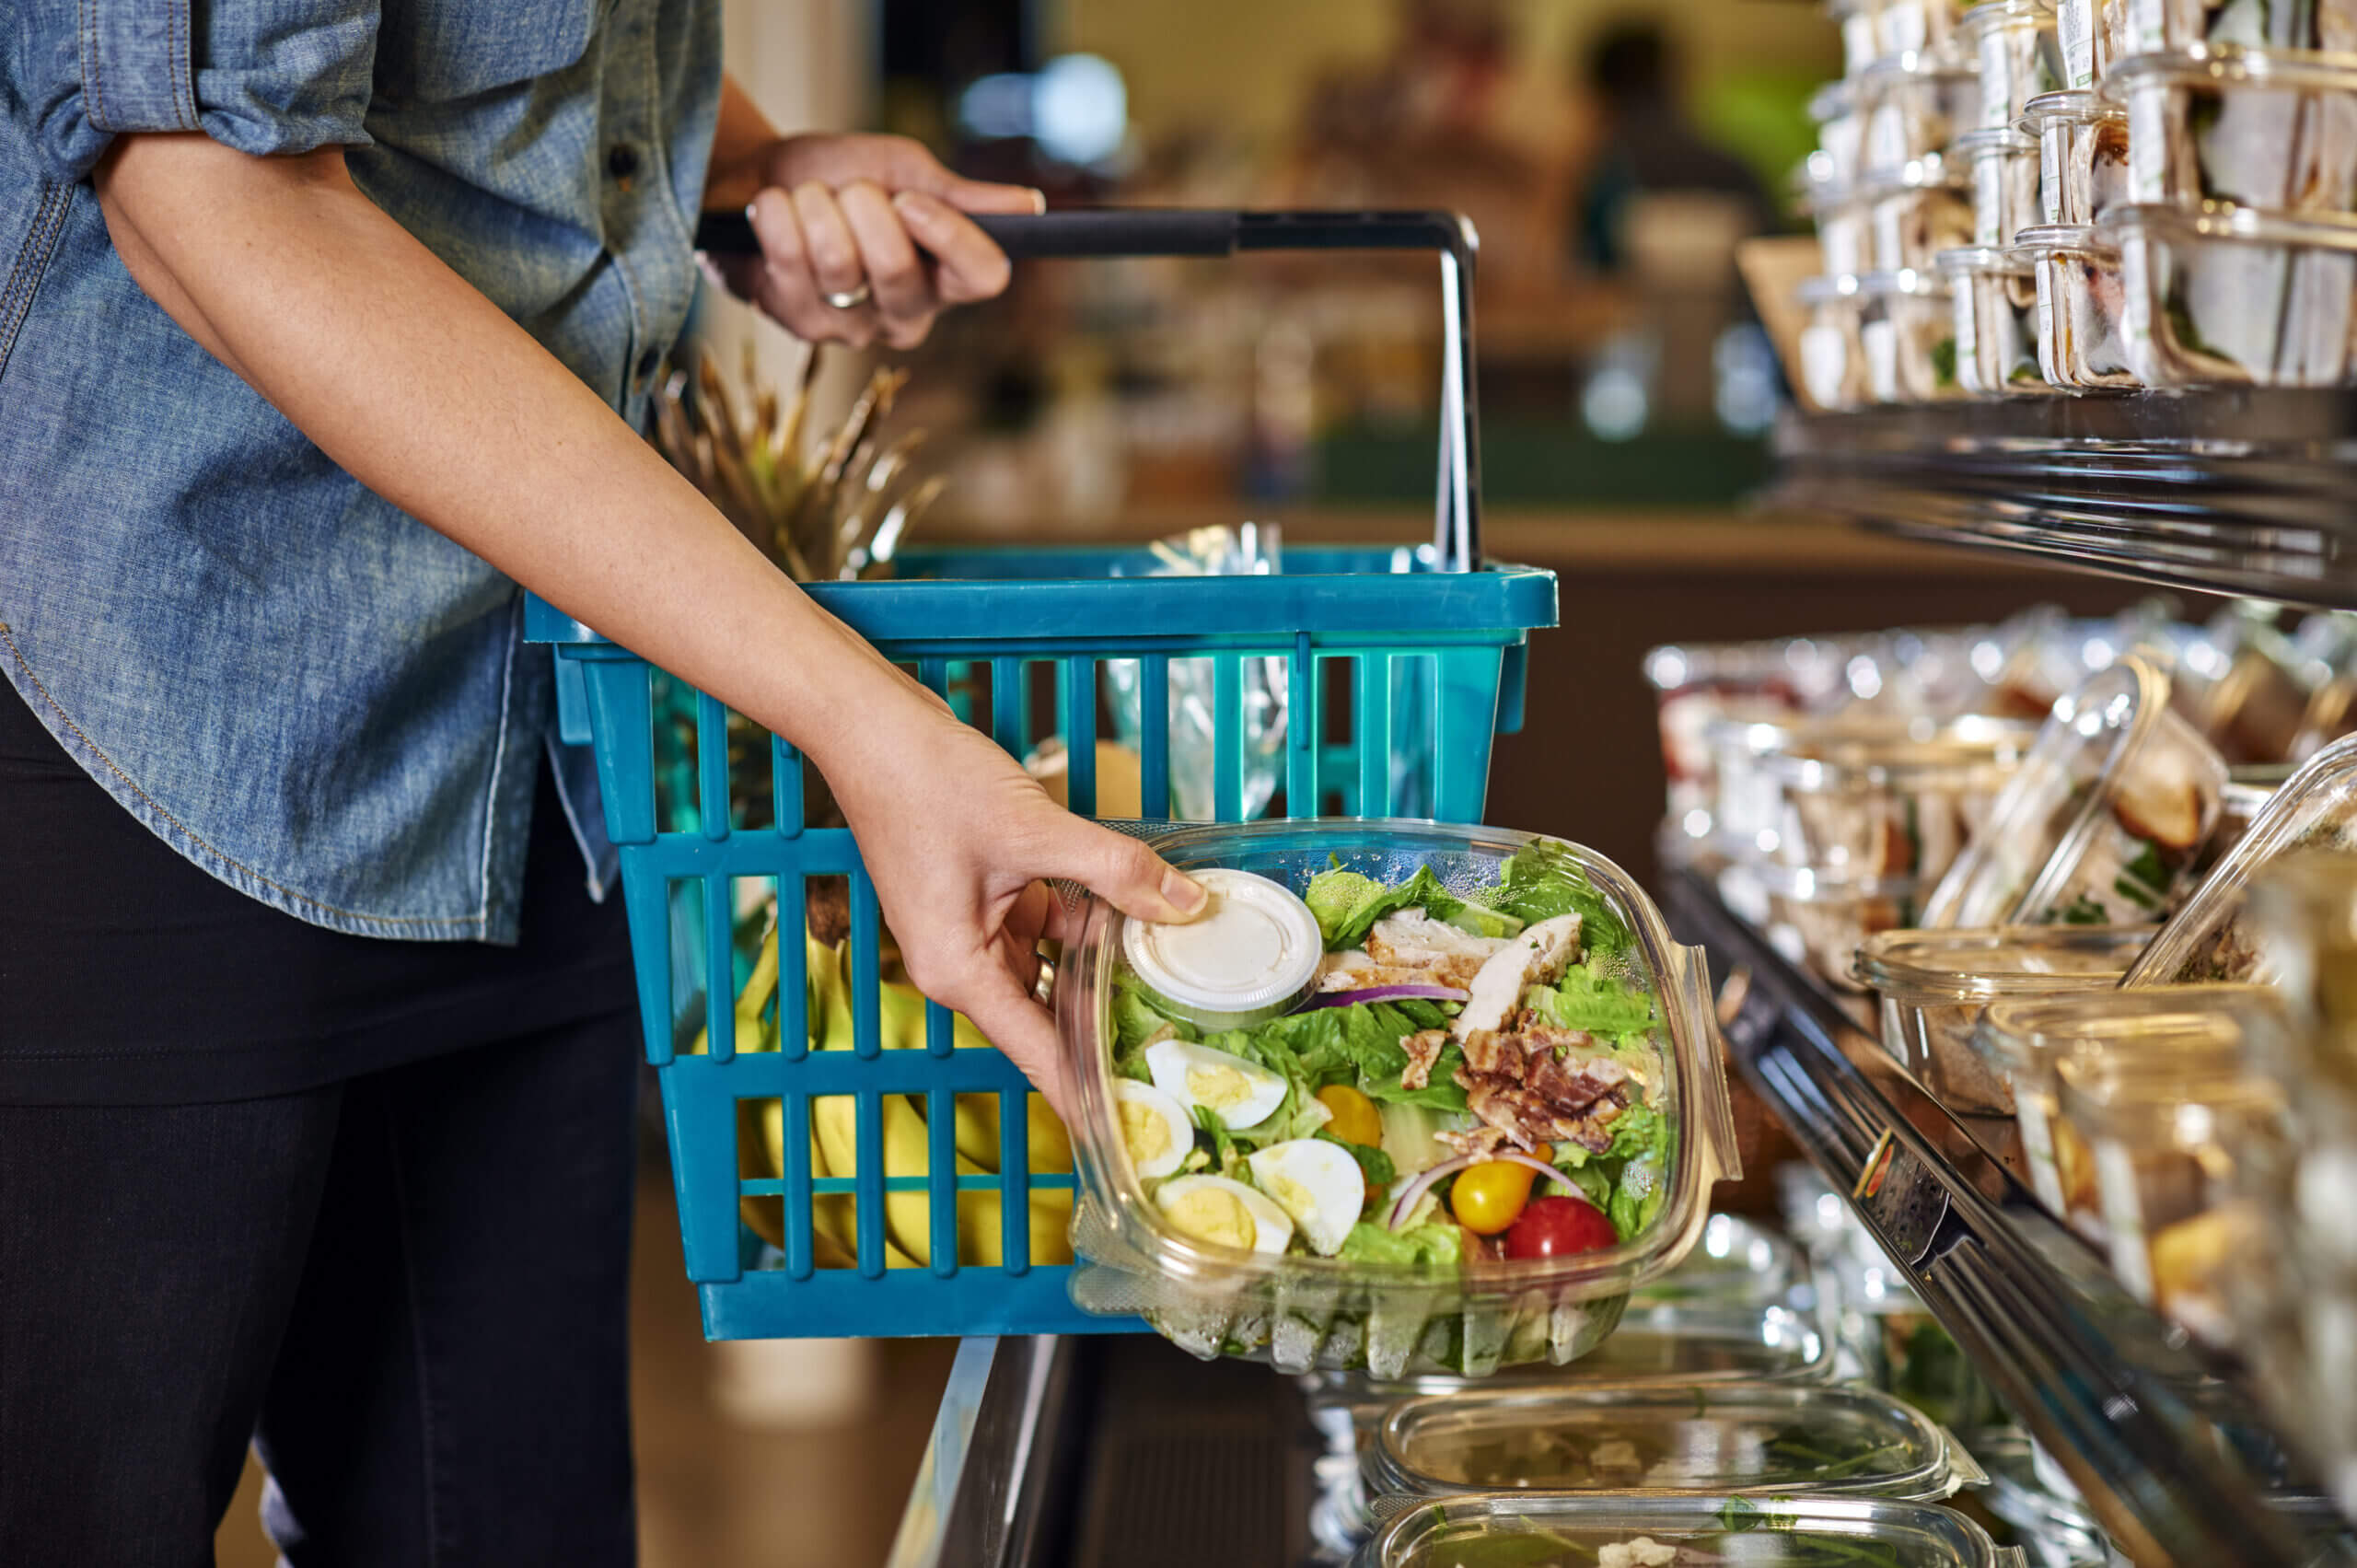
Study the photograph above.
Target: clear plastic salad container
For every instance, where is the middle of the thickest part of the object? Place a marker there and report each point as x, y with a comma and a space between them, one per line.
1936, 984
2233, 297
1915, 106
2025, 1040
1841, 120
1511, 1530
2190, 25
1750, 1437
1917, 212
2081, 322
2103, 820
2211, 937
1821, 921
1301, 1190
2093, 34
1908, 329
1833, 357
2081, 158
2004, 182
1994, 299
2165, 1115
2018, 52
2250, 127
2304, 918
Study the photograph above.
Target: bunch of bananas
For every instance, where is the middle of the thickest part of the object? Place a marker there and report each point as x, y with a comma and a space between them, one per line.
761, 1140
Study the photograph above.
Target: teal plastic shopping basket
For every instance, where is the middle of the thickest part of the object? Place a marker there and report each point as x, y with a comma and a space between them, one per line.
1381, 646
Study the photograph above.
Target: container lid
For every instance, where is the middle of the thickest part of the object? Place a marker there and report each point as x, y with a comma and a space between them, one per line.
2191, 1096
1256, 945
1827, 290
1750, 1437
1981, 260
1931, 171
1904, 281
2112, 751
1993, 11
1544, 1532
2187, 1023
1820, 752
1991, 140
2208, 939
1927, 967
1913, 65
2234, 66
1811, 884
2077, 106
2040, 240
2120, 226
1832, 102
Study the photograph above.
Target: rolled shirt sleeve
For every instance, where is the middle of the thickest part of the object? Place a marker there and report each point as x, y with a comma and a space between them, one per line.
259, 75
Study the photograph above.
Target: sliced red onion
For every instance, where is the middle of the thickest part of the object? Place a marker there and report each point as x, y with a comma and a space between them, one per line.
1385, 994
1422, 1184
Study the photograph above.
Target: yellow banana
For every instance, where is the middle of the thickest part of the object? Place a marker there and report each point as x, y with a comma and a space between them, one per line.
901, 1011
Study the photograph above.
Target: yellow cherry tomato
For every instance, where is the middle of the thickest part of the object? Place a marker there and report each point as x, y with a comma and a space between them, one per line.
1490, 1196
1355, 1119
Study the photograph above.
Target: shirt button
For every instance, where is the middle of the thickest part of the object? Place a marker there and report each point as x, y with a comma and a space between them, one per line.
622, 161
648, 363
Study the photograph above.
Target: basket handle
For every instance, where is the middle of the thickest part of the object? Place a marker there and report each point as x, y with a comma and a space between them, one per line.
1219, 231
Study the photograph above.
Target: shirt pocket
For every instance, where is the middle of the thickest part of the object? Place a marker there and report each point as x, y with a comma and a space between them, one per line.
438, 51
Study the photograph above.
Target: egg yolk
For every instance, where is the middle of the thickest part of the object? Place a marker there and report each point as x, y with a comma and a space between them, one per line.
1215, 1215
1143, 1128
1218, 1087
1291, 1197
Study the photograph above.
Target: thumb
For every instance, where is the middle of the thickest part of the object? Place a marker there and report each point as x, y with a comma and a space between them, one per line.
922, 172
1124, 873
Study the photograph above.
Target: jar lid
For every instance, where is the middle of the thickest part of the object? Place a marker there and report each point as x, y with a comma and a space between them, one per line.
1254, 949
2077, 106
1906, 281
1976, 260
2183, 1024
1826, 290
2006, 12
1927, 967
1994, 139
2217, 221
2234, 66
2041, 241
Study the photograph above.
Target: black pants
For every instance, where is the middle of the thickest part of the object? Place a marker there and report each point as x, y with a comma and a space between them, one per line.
409, 1286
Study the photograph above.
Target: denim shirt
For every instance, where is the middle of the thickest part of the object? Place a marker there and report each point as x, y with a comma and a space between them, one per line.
307, 692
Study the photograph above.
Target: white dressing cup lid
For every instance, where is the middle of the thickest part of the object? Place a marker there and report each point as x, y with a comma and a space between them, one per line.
1255, 945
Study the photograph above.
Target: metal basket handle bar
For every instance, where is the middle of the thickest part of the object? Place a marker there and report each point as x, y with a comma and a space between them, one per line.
1218, 231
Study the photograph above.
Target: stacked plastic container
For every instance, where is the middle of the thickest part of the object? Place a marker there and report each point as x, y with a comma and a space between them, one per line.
2161, 195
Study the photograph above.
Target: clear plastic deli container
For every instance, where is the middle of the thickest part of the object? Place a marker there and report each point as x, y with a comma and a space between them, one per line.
1925, 28
1841, 120
2025, 1040
1994, 297
1833, 357
1749, 1437
1499, 1529
2081, 320
1821, 921
2165, 1122
2103, 820
2018, 53
2190, 25
2004, 182
1936, 984
2082, 156
1908, 329
1860, 47
2304, 918
2211, 937
1915, 105
2245, 126
1915, 212
1353, 1182
2233, 296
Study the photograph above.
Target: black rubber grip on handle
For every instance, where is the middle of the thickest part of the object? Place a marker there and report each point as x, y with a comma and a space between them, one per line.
1168, 231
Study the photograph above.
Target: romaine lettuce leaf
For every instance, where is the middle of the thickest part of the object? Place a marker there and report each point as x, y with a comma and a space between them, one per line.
1637, 1196
1436, 1243
1136, 1021
1542, 880
1374, 1164
1347, 905
1598, 1003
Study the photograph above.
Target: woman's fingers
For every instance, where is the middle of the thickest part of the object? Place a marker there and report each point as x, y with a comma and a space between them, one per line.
970, 266
786, 287
904, 299
1021, 1026
1122, 871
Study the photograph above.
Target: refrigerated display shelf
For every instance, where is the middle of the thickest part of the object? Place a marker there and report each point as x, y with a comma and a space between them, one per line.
2245, 491
2161, 1437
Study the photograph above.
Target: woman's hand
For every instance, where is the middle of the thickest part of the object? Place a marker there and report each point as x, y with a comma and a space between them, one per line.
957, 838
862, 236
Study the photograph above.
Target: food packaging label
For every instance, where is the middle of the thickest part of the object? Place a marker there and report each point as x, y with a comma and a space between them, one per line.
1881, 338
2050, 187
1967, 313
2123, 1216
2076, 21
1858, 46
2037, 1148
2147, 25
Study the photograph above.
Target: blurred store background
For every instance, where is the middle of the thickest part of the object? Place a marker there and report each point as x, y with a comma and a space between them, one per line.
1611, 153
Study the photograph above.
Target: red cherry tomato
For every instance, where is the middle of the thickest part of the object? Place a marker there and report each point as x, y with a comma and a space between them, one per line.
1557, 1226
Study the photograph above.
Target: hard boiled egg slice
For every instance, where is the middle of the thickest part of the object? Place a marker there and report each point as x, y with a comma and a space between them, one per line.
1239, 1092
1318, 1183
1155, 1128
1213, 1208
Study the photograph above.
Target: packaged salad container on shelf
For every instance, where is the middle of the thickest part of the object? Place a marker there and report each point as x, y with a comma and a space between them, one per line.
1844, 228
1994, 299
1833, 359
2082, 155
1915, 212
2233, 296
2244, 685
2102, 820
1908, 329
2093, 34
1855, 21
2025, 1040
2245, 126
2004, 182
1936, 984
1821, 921
1411, 1096
2165, 1113
2018, 54
1925, 28
1753, 1438
1841, 120
2193, 25
2212, 938
2081, 325
1512, 1529
1915, 106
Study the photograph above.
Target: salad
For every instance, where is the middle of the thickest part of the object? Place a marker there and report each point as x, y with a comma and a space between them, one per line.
1472, 1077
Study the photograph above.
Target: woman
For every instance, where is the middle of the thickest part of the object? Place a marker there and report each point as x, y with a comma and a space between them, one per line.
322, 327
